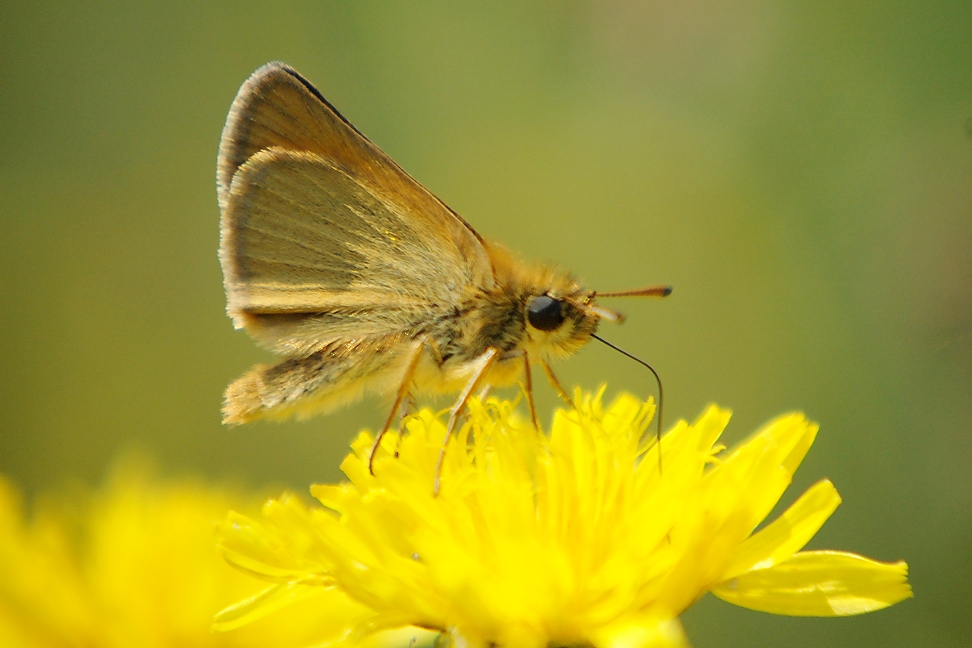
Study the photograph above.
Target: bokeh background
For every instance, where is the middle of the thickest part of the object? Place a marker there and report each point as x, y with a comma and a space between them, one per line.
801, 172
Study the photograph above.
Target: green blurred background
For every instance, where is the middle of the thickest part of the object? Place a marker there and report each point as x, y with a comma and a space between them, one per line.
801, 172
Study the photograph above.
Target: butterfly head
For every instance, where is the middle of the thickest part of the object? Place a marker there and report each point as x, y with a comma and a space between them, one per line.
559, 322
557, 316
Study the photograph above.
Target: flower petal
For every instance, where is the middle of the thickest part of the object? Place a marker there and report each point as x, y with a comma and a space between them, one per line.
756, 473
789, 533
261, 604
275, 549
819, 583
654, 633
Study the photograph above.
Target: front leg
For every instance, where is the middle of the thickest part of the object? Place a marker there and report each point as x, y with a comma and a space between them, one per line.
527, 382
528, 387
556, 384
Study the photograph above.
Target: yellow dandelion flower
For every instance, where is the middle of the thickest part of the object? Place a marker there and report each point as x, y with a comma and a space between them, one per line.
135, 565
573, 539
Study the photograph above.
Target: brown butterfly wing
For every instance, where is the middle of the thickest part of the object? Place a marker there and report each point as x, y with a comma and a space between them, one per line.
278, 107
323, 236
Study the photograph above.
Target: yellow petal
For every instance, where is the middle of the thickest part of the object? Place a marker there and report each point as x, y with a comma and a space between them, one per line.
819, 583
756, 473
273, 551
667, 633
259, 605
788, 533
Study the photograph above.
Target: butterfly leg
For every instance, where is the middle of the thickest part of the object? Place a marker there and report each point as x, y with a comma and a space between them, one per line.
528, 387
527, 384
556, 383
408, 406
485, 362
402, 394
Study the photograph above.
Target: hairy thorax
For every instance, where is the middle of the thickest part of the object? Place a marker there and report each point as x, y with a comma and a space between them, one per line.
495, 317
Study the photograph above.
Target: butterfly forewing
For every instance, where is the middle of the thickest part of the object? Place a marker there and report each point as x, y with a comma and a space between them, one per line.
324, 238
277, 107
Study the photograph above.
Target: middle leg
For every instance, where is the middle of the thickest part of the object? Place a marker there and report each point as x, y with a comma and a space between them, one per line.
485, 362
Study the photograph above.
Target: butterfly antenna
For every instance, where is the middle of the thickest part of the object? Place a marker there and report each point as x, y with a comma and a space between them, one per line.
650, 291
660, 392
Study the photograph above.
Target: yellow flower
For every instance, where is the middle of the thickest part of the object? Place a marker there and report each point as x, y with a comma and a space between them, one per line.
582, 538
135, 565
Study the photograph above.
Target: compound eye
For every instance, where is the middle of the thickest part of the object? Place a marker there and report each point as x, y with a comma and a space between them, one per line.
545, 313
